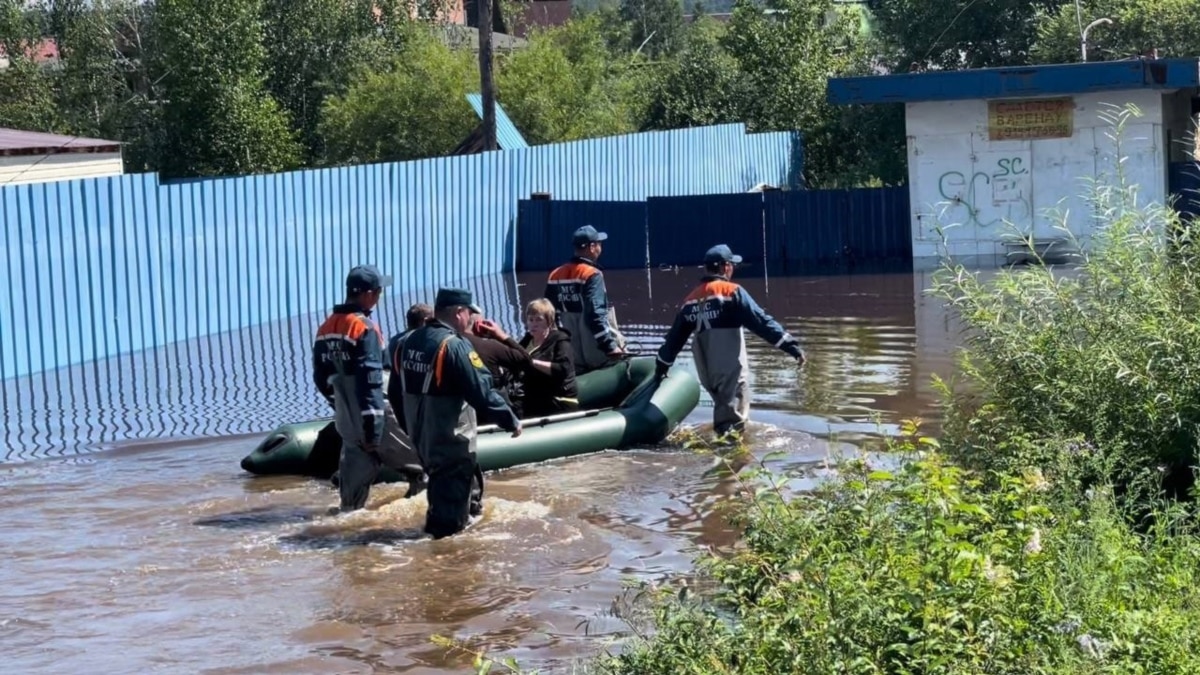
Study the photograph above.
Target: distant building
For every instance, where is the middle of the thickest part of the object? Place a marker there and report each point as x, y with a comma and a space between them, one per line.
34, 157
44, 53
997, 149
540, 14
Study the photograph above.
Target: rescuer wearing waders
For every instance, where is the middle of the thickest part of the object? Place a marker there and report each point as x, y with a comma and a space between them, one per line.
716, 311
444, 384
580, 299
347, 361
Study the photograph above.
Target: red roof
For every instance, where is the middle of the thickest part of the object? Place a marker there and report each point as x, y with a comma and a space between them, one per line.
14, 142
543, 13
42, 52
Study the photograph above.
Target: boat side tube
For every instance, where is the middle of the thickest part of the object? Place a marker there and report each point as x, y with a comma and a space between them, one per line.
624, 406
645, 416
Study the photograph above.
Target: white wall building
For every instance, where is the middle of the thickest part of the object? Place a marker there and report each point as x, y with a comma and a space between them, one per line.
997, 152
34, 157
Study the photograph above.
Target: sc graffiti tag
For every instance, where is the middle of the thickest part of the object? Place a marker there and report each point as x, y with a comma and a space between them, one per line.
1008, 192
1010, 166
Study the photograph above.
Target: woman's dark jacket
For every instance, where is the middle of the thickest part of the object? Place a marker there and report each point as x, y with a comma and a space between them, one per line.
543, 393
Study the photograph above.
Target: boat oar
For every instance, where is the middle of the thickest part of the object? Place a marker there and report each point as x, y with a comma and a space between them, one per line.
541, 421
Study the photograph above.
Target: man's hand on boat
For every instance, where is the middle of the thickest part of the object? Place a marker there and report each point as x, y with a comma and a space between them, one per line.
518, 430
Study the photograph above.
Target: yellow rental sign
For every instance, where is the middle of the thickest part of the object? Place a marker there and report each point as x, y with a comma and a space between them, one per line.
1031, 119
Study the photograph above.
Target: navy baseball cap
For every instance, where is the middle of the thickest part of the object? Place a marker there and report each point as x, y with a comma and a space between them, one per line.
366, 278
586, 235
449, 297
721, 253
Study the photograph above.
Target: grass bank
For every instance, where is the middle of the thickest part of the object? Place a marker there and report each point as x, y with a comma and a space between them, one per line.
1048, 530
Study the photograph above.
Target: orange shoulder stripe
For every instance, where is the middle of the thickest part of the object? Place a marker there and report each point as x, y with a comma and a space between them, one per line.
350, 325
439, 361
573, 271
710, 288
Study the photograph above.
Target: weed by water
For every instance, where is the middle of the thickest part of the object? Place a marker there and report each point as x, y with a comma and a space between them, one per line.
925, 569
1106, 352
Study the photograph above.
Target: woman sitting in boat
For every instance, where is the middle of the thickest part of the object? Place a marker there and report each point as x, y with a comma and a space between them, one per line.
549, 384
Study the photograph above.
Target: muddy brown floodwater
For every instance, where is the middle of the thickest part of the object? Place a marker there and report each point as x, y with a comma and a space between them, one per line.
129, 550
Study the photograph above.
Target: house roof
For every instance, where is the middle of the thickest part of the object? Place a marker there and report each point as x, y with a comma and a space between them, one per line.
507, 136
1042, 80
40, 52
541, 13
16, 142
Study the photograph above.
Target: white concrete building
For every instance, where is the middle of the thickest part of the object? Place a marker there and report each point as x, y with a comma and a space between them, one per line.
997, 152
34, 157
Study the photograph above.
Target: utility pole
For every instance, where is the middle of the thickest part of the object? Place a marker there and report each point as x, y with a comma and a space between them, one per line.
485, 74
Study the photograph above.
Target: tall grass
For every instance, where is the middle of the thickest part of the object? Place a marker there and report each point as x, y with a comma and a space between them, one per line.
925, 570
1106, 352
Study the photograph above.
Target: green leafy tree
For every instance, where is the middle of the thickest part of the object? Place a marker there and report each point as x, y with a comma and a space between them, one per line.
219, 118
103, 88
1137, 27
655, 26
27, 98
704, 85
785, 59
955, 34
26, 89
304, 41
315, 46
569, 85
415, 108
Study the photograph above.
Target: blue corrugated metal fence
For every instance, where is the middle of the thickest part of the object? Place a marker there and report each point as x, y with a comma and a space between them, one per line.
100, 267
792, 230
1183, 181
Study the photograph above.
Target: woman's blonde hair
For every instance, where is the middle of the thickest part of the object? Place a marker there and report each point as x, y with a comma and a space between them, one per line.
541, 307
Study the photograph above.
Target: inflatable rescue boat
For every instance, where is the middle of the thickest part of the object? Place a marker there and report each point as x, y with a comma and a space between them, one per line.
621, 406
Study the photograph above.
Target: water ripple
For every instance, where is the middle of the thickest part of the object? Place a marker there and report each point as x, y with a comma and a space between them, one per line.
864, 336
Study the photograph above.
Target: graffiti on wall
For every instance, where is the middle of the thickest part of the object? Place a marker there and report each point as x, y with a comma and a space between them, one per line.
989, 194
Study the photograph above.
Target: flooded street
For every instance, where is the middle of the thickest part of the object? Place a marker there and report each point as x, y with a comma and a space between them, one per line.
134, 542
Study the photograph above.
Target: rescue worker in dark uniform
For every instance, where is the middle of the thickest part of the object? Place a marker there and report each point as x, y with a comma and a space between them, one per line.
347, 362
444, 384
503, 357
418, 315
716, 311
580, 301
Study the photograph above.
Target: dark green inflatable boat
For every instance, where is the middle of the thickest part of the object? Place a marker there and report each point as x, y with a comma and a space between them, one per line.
621, 407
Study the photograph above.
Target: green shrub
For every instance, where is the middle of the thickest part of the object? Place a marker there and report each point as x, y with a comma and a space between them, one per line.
923, 570
1106, 350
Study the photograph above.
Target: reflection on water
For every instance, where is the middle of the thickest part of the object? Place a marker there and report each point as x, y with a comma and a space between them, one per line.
872, 342
166, 556
239, 382
862, 334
